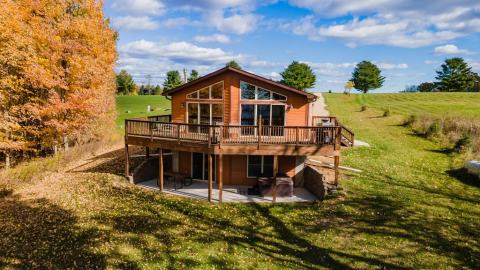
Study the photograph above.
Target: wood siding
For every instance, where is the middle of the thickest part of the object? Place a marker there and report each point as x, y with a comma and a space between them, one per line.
297, 115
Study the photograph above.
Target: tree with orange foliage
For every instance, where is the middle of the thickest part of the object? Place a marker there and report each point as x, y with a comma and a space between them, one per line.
57, 80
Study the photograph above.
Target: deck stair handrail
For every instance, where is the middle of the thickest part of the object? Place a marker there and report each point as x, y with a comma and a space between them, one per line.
347, 135
234, 134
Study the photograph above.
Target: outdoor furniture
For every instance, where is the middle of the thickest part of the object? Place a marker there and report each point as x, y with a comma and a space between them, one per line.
283, 184
177, 179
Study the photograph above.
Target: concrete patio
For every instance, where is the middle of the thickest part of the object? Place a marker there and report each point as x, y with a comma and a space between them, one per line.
199, 190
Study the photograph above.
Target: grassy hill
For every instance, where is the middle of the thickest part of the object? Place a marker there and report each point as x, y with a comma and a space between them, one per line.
410, 208
436, 104
136, 106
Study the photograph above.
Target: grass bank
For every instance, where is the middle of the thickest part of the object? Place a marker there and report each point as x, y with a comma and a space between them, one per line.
410, 208
136, 106
432, 104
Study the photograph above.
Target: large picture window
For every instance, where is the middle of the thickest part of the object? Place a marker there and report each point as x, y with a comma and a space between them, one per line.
260, 166
214, 91
251, 92
204, 114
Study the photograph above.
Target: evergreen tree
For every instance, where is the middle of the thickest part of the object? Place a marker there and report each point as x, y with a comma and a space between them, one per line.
298, 75
233, 64
173, 80
125, 83
193, 75
367, 76
455, 76
157, 90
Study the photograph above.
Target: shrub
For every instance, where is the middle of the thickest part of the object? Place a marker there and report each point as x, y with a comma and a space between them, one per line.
463, 144
410, 120
363, 108
434, 130
386, 112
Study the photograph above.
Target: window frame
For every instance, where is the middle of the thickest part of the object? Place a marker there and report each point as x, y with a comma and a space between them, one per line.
256, 93
209, 92
198, 111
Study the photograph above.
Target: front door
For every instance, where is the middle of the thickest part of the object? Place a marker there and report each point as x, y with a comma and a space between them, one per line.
200, 166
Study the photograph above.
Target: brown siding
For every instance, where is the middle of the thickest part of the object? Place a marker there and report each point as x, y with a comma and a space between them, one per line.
297, 115
184, 163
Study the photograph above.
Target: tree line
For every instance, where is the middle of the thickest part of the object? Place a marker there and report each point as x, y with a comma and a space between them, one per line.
455, 75
57, 79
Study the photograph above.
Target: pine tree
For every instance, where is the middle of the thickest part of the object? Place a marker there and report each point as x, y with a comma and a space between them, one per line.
173, 80
298, 75
125, 83
193, 75
367, 76
455, 76
233, 64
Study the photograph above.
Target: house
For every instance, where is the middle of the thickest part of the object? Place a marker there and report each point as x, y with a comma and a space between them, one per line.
231, 127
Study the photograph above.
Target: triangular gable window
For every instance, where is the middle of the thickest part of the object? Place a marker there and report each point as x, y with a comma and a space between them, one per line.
252, 92
214, 91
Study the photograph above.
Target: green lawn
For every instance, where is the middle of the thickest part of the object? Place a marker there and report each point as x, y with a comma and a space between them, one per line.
409, 208
136, 106
438, 104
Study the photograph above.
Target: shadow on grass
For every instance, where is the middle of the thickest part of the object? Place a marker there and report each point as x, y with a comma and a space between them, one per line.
112, 162
36, 234
465, 177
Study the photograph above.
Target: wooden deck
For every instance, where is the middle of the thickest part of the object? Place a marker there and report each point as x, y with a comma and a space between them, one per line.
227, 139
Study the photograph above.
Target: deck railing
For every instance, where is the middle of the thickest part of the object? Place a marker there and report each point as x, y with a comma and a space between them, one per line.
234, 135
347, 136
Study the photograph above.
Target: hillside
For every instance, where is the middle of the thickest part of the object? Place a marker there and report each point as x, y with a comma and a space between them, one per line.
435, 104
409, 208
136, 106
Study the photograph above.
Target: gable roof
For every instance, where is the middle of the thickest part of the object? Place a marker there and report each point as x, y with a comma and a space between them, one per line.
310, 96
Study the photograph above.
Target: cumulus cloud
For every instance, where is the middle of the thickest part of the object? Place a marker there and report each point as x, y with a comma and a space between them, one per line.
408, 23
450, 49
215, 38
237, 23
179, 52
154, 7
134, 23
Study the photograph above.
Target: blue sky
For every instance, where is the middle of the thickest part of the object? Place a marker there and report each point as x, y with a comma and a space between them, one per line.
407, 39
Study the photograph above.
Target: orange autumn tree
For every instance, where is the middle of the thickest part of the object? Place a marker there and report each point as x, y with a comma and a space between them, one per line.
57, 80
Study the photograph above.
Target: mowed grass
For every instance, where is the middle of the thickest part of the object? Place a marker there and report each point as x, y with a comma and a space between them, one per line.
409, 208
432, 104
136, 106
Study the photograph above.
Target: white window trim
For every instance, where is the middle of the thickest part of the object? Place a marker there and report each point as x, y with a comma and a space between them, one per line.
261, 166
209, 92
256, 93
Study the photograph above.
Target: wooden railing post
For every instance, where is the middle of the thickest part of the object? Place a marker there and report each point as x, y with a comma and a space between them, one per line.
178, 133
259, 132
209, 136
296, 136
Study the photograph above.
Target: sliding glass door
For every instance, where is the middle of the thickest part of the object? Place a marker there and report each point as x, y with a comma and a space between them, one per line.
272, 117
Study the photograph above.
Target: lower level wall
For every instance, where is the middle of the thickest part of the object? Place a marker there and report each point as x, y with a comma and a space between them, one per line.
147, 170
315, 182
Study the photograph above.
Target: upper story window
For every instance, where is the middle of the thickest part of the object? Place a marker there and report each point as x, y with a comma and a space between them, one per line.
214, 91
252, 92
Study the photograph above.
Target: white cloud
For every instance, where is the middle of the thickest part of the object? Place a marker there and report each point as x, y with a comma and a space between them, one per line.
134, 23
178, 52
154, 7
215, 38
237, 23
388, 66
177, 22
450, 49
431, 62
408, 23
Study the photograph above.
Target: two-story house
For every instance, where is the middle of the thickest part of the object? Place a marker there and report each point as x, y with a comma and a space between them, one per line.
231, 127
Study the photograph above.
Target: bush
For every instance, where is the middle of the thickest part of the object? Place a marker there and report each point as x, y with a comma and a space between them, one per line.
410, 120
363, 108
386, 112
434, 130
463, 144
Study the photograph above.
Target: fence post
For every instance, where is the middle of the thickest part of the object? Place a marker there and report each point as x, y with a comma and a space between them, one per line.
209, 136
178, 133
